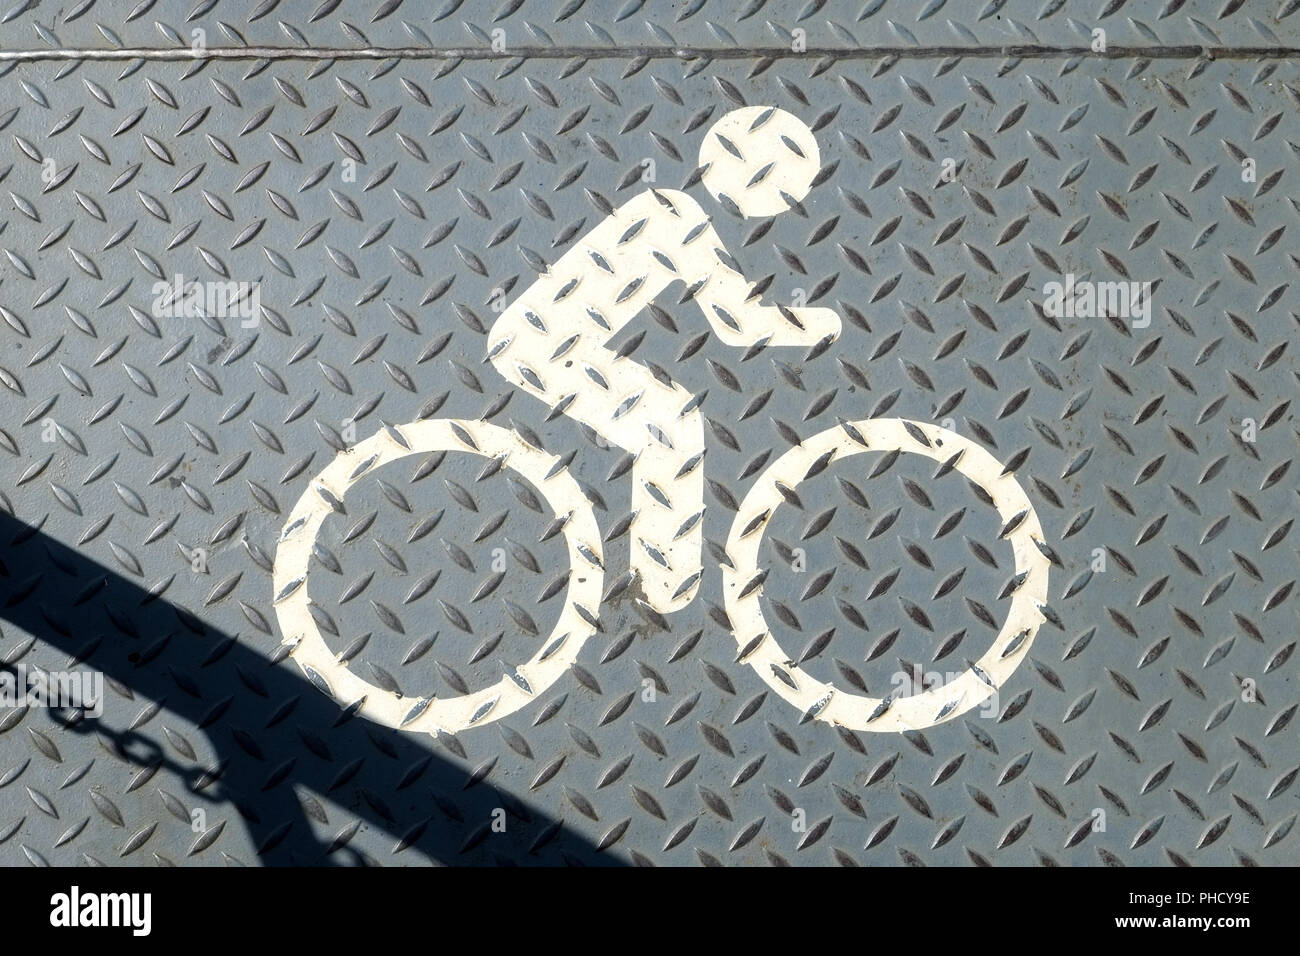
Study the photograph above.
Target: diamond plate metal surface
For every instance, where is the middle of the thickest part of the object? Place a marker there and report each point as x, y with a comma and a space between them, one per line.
150, 463
703, 24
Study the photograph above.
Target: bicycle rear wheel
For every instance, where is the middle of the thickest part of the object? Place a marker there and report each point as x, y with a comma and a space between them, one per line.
743, 590
324, 496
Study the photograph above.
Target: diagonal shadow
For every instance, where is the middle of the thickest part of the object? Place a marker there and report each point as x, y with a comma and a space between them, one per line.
282, 747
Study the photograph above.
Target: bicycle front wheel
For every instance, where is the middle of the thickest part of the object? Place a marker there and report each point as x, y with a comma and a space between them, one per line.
743, 581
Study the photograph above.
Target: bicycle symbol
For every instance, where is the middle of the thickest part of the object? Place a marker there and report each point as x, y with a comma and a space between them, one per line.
550, 342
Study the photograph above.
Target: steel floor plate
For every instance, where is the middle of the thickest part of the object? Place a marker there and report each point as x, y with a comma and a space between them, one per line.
388, 204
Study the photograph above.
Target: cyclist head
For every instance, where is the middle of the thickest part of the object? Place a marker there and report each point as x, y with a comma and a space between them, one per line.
759, 159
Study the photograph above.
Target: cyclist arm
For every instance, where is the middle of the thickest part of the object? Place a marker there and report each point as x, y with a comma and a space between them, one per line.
721, 290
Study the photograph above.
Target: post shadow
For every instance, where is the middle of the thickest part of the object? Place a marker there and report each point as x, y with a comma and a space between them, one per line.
275, 734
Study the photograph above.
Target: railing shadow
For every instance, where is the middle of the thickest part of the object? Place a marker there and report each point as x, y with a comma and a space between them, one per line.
284, 750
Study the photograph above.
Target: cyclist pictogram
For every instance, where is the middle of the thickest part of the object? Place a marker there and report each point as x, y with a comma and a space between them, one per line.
551, 343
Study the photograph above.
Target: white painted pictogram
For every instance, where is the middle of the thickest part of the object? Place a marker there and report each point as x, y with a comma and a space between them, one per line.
760, 648
551, 342
581, 601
